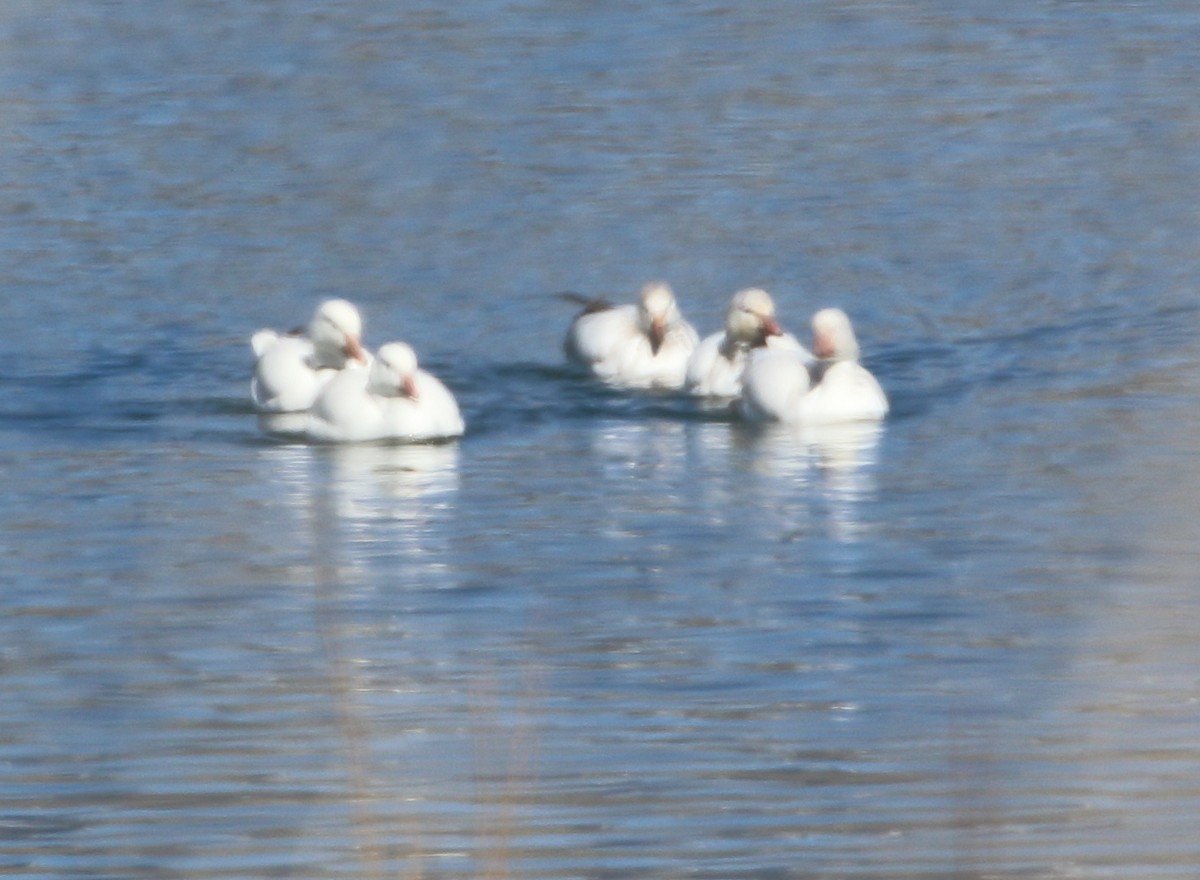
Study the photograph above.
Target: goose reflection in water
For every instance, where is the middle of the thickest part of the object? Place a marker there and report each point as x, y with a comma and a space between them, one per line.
392, 501
365, 478
626, 449
829, 466
393, 479
846, 455
359, 505
840, 451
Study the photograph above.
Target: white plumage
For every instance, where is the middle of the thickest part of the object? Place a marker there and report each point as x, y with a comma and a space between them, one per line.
779, 386
716, 365
643, 345
393, 400
291, 369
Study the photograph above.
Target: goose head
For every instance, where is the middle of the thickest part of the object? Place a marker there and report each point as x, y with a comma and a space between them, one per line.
657, 313
833, 336
336, 333
750, 319
394, 371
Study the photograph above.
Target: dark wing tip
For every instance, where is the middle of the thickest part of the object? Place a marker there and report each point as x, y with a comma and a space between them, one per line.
590, 304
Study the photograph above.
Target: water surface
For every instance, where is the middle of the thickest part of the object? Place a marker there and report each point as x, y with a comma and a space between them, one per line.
601, 636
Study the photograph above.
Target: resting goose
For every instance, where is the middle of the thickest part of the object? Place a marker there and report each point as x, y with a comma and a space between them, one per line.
716, 365
642, 345
779, 386
393, 400
291, 369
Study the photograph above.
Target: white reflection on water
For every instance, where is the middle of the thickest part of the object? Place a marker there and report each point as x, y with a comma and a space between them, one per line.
791, 480
846, 455
359, 505
393, 482
367, 481
787, 470
292, 470
626, 449
843, 452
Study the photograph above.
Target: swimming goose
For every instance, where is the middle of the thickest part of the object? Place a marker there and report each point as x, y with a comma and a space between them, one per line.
715, 366
642, 345
291, 369
393, 400
778, 386
774, 382
843, 389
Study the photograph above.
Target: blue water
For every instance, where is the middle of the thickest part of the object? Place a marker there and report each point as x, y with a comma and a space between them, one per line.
601, 636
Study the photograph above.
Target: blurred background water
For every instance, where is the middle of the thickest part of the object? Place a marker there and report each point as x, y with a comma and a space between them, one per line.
601, 636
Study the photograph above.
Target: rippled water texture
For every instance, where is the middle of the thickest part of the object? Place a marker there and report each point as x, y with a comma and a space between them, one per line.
601, 636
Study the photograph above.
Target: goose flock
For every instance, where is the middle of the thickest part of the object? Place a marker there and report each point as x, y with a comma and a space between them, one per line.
321, 384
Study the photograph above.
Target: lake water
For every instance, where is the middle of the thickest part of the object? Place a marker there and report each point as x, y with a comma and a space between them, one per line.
602, 636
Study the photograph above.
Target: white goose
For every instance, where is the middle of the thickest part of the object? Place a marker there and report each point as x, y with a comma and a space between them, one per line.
773, 384
393, 400
716, 365
291, 369
643, 345
778, 386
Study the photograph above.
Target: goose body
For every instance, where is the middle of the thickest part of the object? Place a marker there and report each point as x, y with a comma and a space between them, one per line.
393, 400
642, 345
780, 386
291, 369
774, 383
716, 365
846, 392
